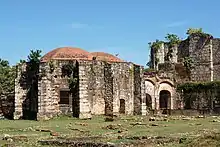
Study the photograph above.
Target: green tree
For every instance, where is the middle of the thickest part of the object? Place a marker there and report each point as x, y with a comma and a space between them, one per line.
7, 77
34, 59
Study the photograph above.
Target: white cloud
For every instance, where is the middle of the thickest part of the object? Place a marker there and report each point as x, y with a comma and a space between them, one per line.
177, 24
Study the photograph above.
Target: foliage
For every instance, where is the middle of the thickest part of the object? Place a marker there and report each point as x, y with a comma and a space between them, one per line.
197, 86
70, 70
191, 31
34, 59
7, 76
188, 63
149, 70
172, 40
52, 66
155, 46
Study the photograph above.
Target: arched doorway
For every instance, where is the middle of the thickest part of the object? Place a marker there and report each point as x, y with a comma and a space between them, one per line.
164, 101
122, 106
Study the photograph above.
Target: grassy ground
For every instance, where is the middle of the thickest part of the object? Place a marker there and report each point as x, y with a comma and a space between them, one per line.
188, 131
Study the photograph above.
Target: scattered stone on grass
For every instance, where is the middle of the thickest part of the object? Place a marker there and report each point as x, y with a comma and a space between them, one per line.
138, 123
43, 130
82, 124
215, 120
54, 134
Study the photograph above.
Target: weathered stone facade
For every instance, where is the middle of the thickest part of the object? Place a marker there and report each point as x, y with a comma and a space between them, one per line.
100, 87
204, 52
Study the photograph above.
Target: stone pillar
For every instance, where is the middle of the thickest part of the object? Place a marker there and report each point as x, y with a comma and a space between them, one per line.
108, 78
160, 55
84, 105
48, 93
137, 90
174, 54
211, 60
143, 95
20, 90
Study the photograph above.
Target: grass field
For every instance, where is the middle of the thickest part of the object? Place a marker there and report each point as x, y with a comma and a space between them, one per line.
162, 131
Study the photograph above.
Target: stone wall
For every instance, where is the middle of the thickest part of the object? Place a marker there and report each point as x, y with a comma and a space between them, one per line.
85, 95
26, 89
216, 59
203, 100
97, 88
108, 78
137, 90
91, 92
51, 82
200, 52
183, 50
123, 82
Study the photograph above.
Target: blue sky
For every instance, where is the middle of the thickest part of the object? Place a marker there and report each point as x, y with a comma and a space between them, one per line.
121, 27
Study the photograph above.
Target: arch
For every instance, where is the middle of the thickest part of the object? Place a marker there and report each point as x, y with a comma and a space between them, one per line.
169, 88
164, 99
150, 93
149, 80
167, 82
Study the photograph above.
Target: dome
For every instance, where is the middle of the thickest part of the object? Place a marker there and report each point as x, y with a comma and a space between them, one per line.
105, 57
67, 53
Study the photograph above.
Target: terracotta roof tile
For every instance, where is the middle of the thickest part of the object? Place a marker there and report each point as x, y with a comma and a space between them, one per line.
106, 57
67, 53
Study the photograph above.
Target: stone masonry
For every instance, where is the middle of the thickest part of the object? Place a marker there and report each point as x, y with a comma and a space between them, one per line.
101, 88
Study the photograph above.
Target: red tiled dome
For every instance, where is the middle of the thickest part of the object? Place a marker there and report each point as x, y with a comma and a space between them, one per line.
67, 53
106, 57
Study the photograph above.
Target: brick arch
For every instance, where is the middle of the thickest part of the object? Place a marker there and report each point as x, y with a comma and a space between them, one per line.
168, 87
149, 93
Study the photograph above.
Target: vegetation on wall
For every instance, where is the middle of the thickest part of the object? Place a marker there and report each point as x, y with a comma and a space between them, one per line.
198, 86
200, 95
171, 41
154, 47
197, 31
52, 66
71, 71
191, 31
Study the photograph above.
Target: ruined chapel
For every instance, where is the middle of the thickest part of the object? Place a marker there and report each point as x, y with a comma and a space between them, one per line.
72, 81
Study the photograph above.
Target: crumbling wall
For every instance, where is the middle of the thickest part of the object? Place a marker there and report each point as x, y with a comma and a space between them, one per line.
183, 50
200, 52
108, 90
203, 100
26, 89
51, 81
84, 93
123, 85
137, 90
216, 58
97, 87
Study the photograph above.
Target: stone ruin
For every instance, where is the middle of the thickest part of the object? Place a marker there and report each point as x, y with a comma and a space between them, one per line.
72, 81
204, 52
105, 84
